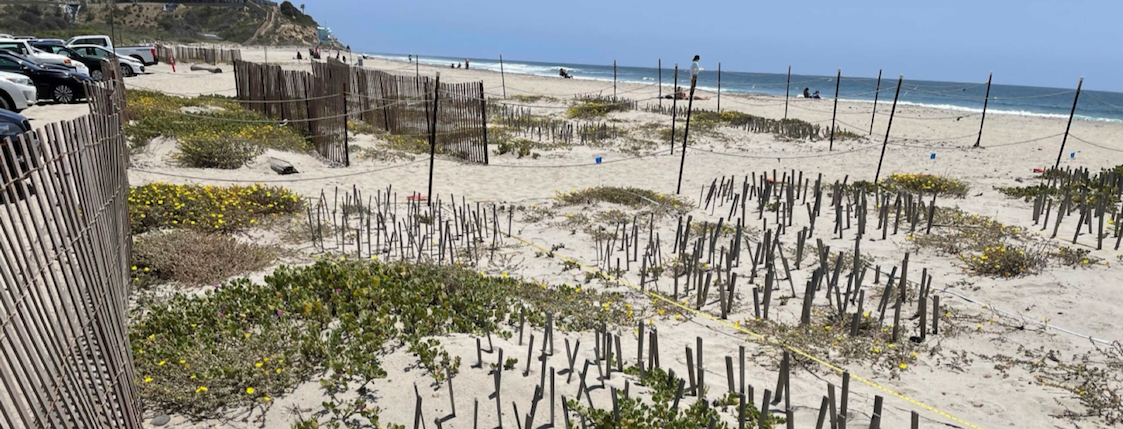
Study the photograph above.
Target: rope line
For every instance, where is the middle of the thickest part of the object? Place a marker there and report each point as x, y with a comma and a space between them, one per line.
302, 179
1095, 144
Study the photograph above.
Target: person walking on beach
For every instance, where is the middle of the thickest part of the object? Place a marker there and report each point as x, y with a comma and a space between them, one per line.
411, 58
465, 63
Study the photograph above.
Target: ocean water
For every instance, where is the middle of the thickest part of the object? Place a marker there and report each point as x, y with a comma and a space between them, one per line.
965, 96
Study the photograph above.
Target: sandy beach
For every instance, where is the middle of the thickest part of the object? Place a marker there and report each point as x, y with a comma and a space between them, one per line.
962, 380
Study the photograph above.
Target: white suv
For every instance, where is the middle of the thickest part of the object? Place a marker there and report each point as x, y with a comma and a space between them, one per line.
21, 47
17, 92
129, 65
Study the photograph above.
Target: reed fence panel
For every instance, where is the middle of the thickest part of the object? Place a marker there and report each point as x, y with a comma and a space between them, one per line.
321, 102
189, 54
66, 245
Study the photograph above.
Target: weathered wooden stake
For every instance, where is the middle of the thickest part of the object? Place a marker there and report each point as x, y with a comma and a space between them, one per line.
433, 138
686, 132
1069, 126
986, 100
502, 76
834, 113
876, 92
886, 143
787, 91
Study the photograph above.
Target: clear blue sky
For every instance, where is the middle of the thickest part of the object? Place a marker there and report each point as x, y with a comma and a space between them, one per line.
1024, 42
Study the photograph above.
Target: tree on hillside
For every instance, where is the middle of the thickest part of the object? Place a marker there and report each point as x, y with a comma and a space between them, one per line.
302, 8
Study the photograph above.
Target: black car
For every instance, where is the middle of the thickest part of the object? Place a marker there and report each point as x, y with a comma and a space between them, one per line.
60, 86
12, 126
93, 63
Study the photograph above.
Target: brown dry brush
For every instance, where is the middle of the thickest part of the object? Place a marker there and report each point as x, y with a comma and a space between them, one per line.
1095, 377
194, 258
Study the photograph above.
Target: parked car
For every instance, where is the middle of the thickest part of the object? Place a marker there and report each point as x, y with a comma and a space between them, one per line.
60, 86
49, 41
129, 66
145, 54
94, 64
22, 47
12, 126
17, 92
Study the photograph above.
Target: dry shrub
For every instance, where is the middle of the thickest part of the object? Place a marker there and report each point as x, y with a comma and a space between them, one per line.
828, 335
920, 183
626, 196
955, 231
194, 258
221, 151
596, 106
1070, 257
1095, 378
1005, 260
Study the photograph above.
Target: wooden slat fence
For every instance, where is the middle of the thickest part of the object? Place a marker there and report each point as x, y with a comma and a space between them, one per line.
196, 54
65, 245
299, 98
317, 102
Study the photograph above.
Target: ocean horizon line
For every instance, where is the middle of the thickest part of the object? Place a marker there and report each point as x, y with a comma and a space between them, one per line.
1005, 99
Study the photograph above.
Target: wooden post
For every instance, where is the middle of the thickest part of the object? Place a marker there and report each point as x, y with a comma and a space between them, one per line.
787, 91
113, 26
834, 113
483, 114
346, 139
674, 113
613, 81
433, 140
502, 76
1069, 127
876, 93
886, 143
986, 100
719, 86
686, 132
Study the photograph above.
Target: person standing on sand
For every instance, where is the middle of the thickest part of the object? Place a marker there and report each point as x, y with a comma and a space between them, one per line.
411, 58
465, 63
694, 68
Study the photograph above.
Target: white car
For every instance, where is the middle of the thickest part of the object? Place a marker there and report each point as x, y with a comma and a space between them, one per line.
17, 92
92, 51
21, 47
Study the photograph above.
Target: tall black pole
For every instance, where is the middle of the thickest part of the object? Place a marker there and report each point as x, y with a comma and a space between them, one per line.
719, 86
502, 76
1069, 127
986, 100
660, 82
433, 137
686, 132
787, 91
674, 110
892, 112
346, 139
876, 93
834, 114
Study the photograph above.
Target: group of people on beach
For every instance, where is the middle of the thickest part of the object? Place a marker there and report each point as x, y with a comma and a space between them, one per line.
807, 94
450, 65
